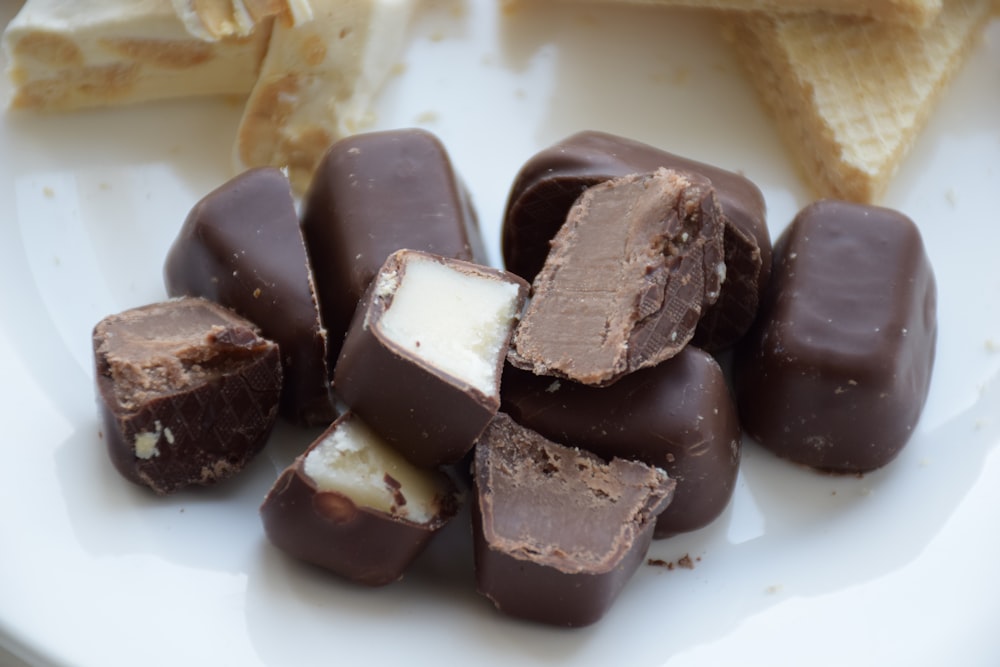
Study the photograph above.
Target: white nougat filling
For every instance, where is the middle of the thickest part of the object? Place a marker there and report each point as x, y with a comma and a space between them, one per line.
356, 462
457, 322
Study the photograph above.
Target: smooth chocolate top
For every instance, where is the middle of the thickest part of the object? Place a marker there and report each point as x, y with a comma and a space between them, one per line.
373, 194
551, 181
241, 246
836, 372
626, 281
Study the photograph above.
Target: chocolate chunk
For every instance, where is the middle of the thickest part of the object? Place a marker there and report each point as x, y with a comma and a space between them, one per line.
626, 280
558, 532
188, 392
373, 194
241, 247
550, 182
351, 504
835, 373
678, 416
422, 360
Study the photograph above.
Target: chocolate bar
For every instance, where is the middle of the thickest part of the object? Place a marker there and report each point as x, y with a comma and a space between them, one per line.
558, 532
836, 371
627, 279
241, 246
421, 362
551, 181
352, 505
373, 194
678, 416
188, 392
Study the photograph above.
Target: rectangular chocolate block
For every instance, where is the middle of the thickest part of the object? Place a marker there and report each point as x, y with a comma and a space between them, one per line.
373, 194
836, 371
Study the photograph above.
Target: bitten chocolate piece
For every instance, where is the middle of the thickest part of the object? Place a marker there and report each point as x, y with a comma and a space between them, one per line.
374, 194
241, 247
188, 392
551, 181
678, 416
626, 280
422, 361
558, 532
835, 373
353, 505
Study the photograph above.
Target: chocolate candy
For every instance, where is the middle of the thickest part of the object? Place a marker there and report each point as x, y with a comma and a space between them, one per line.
241, 246
422, 360
558, 532
836, 371
373, 194
188, 392
352, 505
551, 181
626, 280
678, 416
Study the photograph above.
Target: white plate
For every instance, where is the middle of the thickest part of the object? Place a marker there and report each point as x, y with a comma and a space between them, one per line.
896, 567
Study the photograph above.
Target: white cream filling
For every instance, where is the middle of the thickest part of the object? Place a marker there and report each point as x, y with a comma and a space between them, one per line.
356, 462
456, 322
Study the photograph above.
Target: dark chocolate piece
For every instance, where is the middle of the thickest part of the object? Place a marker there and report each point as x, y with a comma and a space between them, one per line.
423, 357
626, 281
835, 373
373, 194
551, 181
241, 246
558, 532
678, 416
351, 505
188, 392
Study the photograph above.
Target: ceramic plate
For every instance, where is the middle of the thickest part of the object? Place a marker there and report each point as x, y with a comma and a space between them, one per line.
895, 567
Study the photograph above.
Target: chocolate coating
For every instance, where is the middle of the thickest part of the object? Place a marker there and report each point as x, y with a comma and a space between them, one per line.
241, 246
626, 280
836, 371
430, 416
558, 532
188, 392
551, 181
371, 195
678, 416
330, 530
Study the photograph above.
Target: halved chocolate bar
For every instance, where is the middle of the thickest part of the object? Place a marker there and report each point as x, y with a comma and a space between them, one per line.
188, 392
422, 360
351, 504
558, 532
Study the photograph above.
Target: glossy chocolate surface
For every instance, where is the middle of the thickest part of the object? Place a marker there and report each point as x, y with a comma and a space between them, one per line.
427, 414
188, 392
626, 280
330, 530
551, 181
558, 532
836, 371
373, 194
241, 246
678, 416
